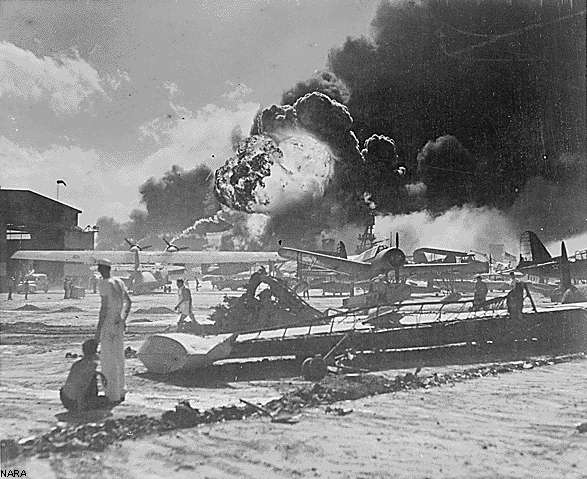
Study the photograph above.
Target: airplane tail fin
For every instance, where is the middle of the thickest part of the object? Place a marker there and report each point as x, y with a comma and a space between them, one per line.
565, 270
341, 250
532, 250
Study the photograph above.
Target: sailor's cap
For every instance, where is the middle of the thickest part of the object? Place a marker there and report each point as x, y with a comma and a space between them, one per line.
103, 262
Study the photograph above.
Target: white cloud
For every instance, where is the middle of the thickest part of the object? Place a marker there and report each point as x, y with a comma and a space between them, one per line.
237, 92
93, 187
65, 82
171, 88
102, 185
116, 79
189, 139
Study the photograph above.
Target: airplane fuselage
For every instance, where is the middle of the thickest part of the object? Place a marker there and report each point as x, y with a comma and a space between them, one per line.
381, 260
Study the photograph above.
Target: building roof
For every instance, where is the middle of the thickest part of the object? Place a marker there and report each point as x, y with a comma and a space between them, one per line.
5, 194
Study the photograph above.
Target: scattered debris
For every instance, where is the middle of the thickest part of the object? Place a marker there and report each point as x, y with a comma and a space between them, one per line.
9, 449
337, 411
277, 416
97, 436
29, 307
186, 416
155, 310
72, 355
140, 320
267, 303
314, 369
130, 353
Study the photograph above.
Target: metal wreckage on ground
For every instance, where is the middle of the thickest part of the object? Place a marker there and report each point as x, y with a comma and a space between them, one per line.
276, 323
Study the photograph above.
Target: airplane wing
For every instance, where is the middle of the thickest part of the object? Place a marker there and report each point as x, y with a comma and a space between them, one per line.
210, 257
439, 251
437, 269
147, 257
538, 267
83, 257
335, 263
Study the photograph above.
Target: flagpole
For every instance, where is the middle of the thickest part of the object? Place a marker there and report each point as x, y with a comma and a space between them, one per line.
59, 182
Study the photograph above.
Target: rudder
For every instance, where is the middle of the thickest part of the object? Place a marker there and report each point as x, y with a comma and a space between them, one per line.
532, 250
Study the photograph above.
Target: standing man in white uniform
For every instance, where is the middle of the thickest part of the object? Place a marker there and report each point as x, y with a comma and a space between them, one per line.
184, 304
110, 332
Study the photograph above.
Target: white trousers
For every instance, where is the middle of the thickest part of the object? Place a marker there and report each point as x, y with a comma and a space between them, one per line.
112, 362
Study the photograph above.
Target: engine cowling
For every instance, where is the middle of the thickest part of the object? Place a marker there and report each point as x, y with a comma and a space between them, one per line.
395, 258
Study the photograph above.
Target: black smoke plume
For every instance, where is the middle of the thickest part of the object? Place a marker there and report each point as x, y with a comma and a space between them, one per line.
177, 200
173, 203
505, 78
322, 82
449, 172
321, 129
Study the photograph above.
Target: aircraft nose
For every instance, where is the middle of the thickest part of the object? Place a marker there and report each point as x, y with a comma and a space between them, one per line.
395, 257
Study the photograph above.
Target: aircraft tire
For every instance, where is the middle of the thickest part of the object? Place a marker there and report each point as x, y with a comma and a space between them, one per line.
314, 369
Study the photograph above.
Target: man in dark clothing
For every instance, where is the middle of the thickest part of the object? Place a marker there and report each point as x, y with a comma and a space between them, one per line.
11, 285
66, 288
80, 392
255, 280
515, 300
480, 295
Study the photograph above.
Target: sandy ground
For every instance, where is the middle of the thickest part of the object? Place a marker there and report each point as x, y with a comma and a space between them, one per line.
512, 425
34, 367
515, 425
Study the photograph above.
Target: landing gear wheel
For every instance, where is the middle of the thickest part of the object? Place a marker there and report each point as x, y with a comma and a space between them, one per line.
314, 369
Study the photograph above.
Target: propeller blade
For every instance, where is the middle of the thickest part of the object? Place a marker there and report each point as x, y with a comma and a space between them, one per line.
397, 240
167, 242
129, 242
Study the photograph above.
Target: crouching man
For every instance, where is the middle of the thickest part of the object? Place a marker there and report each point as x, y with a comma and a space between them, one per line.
80, 392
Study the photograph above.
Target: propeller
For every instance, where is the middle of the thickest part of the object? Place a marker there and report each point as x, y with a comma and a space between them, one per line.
136, 245
396, 258
564, 268
172, 247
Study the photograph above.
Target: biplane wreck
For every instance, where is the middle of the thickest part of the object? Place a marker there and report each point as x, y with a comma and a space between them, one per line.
390, 328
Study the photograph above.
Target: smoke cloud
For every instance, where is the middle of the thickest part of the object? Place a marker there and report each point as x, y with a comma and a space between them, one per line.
461, 123
173, 203
554, 204
466, 228
303, 166
322, 82
500, 85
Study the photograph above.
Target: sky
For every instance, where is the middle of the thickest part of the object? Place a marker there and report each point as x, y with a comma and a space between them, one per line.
106, 94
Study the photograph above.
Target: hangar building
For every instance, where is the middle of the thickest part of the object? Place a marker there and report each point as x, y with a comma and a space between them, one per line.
32, 221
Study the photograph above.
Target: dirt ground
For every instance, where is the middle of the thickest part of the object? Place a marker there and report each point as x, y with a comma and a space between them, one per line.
512, 425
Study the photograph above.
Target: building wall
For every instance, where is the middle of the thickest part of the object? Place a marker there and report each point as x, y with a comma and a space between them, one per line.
52, 226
